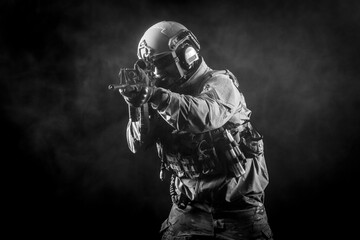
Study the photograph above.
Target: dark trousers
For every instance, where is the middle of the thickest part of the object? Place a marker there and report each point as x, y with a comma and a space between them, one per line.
192, 223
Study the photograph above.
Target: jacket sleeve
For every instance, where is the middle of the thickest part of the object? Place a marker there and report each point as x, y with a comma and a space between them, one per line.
133, 135
212, 108
142, 134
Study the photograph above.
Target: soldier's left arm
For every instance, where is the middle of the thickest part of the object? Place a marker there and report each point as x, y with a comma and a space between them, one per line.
211, 109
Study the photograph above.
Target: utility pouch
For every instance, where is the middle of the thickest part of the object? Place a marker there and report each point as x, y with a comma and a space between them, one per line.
230, 151
207, 157
251, 142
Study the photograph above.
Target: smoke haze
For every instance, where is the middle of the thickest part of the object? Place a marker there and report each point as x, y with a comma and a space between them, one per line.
66, 160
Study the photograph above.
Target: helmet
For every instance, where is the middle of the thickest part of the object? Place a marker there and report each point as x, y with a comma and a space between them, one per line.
169, 42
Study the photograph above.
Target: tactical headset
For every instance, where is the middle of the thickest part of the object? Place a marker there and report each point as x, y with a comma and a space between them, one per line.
184, 49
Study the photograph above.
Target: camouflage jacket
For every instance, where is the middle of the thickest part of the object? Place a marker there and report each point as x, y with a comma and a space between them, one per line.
210, 100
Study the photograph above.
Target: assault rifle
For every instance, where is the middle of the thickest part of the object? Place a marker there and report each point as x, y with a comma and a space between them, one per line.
130, 77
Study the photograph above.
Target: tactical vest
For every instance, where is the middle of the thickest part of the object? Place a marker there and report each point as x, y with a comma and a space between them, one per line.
193, 155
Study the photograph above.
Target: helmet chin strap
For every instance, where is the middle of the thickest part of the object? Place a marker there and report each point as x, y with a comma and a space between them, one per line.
177, 63
185, 75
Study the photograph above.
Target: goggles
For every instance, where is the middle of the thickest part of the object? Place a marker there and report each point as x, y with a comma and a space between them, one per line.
163, 61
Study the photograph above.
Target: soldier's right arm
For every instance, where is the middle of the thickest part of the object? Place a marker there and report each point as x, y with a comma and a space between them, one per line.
133, 135
141, 134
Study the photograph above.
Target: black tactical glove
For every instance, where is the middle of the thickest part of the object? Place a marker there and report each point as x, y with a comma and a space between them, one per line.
137, 95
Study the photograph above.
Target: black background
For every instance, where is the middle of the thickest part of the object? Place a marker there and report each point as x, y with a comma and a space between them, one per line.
66, 168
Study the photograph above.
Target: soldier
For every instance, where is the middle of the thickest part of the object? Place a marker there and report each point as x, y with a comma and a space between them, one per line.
198, 119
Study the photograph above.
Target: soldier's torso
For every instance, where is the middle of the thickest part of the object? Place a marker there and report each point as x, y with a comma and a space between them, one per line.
189, 155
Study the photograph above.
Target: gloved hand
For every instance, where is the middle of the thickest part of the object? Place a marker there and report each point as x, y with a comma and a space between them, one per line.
137, 95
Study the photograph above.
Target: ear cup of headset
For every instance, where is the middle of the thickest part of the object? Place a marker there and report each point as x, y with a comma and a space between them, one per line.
187, 56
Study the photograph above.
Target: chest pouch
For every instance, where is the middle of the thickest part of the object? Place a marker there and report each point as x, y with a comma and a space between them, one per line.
196, 155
